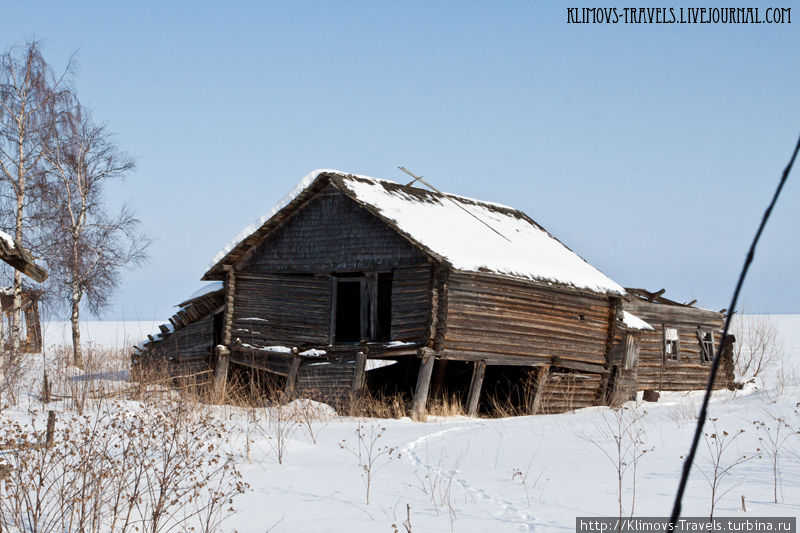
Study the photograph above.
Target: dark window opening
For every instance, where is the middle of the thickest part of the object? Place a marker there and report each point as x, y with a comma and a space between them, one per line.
363, 308
348, 310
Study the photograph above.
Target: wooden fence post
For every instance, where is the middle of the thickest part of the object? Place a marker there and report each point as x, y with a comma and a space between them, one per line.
478, 370
221, 372
51, 429
419, 408
291, 378
541, 379
359, 374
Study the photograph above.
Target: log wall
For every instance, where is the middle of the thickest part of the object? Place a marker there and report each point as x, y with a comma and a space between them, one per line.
688, 373
331, 233
411, 303
328, 381
187, 350
496, 319
567, 391
281, 309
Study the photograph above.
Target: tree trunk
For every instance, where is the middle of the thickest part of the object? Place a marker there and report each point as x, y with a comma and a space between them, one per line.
77, 355
16, 315
20, 194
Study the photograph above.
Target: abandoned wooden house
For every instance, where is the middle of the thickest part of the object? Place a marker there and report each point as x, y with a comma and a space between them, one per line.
353, 282
30, 328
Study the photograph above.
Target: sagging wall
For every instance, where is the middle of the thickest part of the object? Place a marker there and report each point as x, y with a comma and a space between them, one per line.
281, 309
499, 319
657, 372
187, 350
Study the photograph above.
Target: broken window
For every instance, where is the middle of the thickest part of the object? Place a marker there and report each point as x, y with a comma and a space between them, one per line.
362, 307
706, 339
671, 344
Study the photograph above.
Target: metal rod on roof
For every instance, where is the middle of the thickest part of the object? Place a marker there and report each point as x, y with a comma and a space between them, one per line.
470, 213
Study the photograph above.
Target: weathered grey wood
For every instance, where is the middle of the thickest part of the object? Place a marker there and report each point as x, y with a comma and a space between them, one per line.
364, 309
420, 404
541, 380
574, 365
51, 428
360, 373
291, 378
221, 371
478, 370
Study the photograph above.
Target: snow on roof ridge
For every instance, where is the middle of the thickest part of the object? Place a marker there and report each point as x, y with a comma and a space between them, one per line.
487, 237
208, 288
302, 185
8, 238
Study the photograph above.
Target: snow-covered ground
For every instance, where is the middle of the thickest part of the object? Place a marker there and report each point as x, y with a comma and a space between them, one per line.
517, 474
109, 334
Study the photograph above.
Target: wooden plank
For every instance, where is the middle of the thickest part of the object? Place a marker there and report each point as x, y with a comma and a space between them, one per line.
573, 365
541, 380
359, 374
478, 370
221, 372
291, 378
419, 407
334, 293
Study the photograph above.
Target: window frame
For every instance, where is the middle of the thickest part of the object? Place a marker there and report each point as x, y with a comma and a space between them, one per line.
671, 357
706, 356
370, 323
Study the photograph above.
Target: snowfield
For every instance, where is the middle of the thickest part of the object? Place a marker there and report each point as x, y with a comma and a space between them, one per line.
516, 474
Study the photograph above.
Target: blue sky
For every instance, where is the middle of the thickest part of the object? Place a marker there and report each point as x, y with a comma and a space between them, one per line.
651, 150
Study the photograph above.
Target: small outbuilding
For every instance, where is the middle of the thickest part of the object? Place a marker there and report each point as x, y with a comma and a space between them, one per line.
353, 283
31, 331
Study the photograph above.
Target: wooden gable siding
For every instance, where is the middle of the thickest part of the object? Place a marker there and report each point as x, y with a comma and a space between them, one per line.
491, 318
331, 233
281, 309
688, 373
188, 349
411, 303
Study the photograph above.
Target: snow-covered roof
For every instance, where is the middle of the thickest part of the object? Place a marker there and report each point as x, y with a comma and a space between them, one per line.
208, 288
470, 235
9, 240
632, 321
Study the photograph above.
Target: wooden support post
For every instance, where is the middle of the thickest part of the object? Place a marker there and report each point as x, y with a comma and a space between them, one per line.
223, 350
541, 379
478, 370
359, 374
51, 429
419, 408
221, 372
291, 378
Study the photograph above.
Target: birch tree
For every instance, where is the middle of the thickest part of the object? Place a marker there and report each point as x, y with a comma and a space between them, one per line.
89, 245
30, 98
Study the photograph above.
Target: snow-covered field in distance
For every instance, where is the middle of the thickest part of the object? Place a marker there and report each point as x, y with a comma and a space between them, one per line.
107, 333
534, 473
